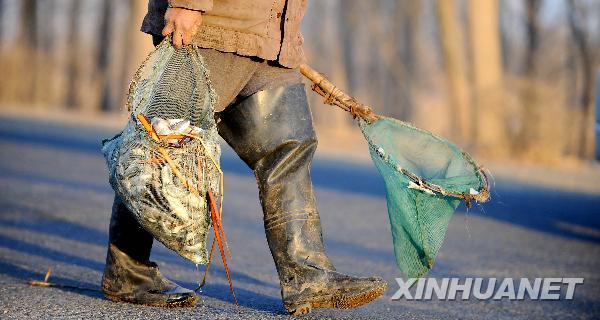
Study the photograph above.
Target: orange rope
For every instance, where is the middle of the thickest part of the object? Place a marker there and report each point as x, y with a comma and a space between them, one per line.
144, 121
218, 227
210, 259
215, 214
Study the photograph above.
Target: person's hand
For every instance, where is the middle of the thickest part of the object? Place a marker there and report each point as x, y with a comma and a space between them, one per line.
183, 24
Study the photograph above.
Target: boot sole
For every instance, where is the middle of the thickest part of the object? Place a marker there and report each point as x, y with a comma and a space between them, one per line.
187, 303
337, 302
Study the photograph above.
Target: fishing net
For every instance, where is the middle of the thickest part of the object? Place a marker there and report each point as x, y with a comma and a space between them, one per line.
426, 177
165, 163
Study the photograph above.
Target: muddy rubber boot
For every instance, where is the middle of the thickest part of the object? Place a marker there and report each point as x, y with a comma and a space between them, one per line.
272, 132
129, 275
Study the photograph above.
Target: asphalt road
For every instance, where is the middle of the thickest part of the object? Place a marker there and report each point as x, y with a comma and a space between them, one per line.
54, 212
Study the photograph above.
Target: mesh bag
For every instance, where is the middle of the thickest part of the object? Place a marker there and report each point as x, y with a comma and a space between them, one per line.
425, 177
165, 162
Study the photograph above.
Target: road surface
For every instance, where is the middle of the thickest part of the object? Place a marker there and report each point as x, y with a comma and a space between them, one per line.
54, 212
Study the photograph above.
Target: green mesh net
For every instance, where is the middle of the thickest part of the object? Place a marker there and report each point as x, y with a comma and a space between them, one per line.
426, 177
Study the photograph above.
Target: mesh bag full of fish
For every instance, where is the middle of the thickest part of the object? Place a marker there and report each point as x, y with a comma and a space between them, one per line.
165, 162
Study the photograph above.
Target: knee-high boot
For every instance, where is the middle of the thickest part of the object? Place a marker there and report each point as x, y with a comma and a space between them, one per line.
272, 132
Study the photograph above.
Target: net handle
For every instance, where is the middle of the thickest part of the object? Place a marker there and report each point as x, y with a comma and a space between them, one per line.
334, 96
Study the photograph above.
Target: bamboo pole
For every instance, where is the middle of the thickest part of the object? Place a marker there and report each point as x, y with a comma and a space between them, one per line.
334, 96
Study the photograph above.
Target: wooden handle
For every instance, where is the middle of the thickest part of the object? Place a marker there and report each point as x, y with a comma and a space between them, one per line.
334, 96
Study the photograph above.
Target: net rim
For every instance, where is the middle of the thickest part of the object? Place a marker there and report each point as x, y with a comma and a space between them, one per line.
482, 195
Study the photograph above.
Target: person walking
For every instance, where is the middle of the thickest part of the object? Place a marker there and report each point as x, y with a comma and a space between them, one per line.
252, 50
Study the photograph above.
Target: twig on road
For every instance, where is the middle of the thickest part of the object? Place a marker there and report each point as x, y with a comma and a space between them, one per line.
45, 283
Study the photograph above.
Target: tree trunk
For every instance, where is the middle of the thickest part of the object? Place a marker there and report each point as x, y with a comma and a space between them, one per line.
27, 42
338, 65
2, 4
528, 135
137, 45
456, 71
404, 75
586, 61
45, 67
348, 23
102, 63
28, 21
74, 61
487, 76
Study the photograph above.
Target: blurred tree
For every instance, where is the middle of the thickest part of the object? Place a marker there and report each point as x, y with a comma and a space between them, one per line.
2, 6
348, 23
532, 34
356, 44
26, 44
577, 20
404, 73
327, 45
389, 55
135, 45
103, 59
487, 76
75, 58
528, 134
456, 71
42, 52
339, 70
28, 24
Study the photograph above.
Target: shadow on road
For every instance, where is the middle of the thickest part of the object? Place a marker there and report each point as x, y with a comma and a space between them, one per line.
246, 298
45, 252
75, 231
32, 221
24, 276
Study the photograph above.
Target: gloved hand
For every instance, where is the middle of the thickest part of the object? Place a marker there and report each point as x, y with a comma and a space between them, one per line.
183, 24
